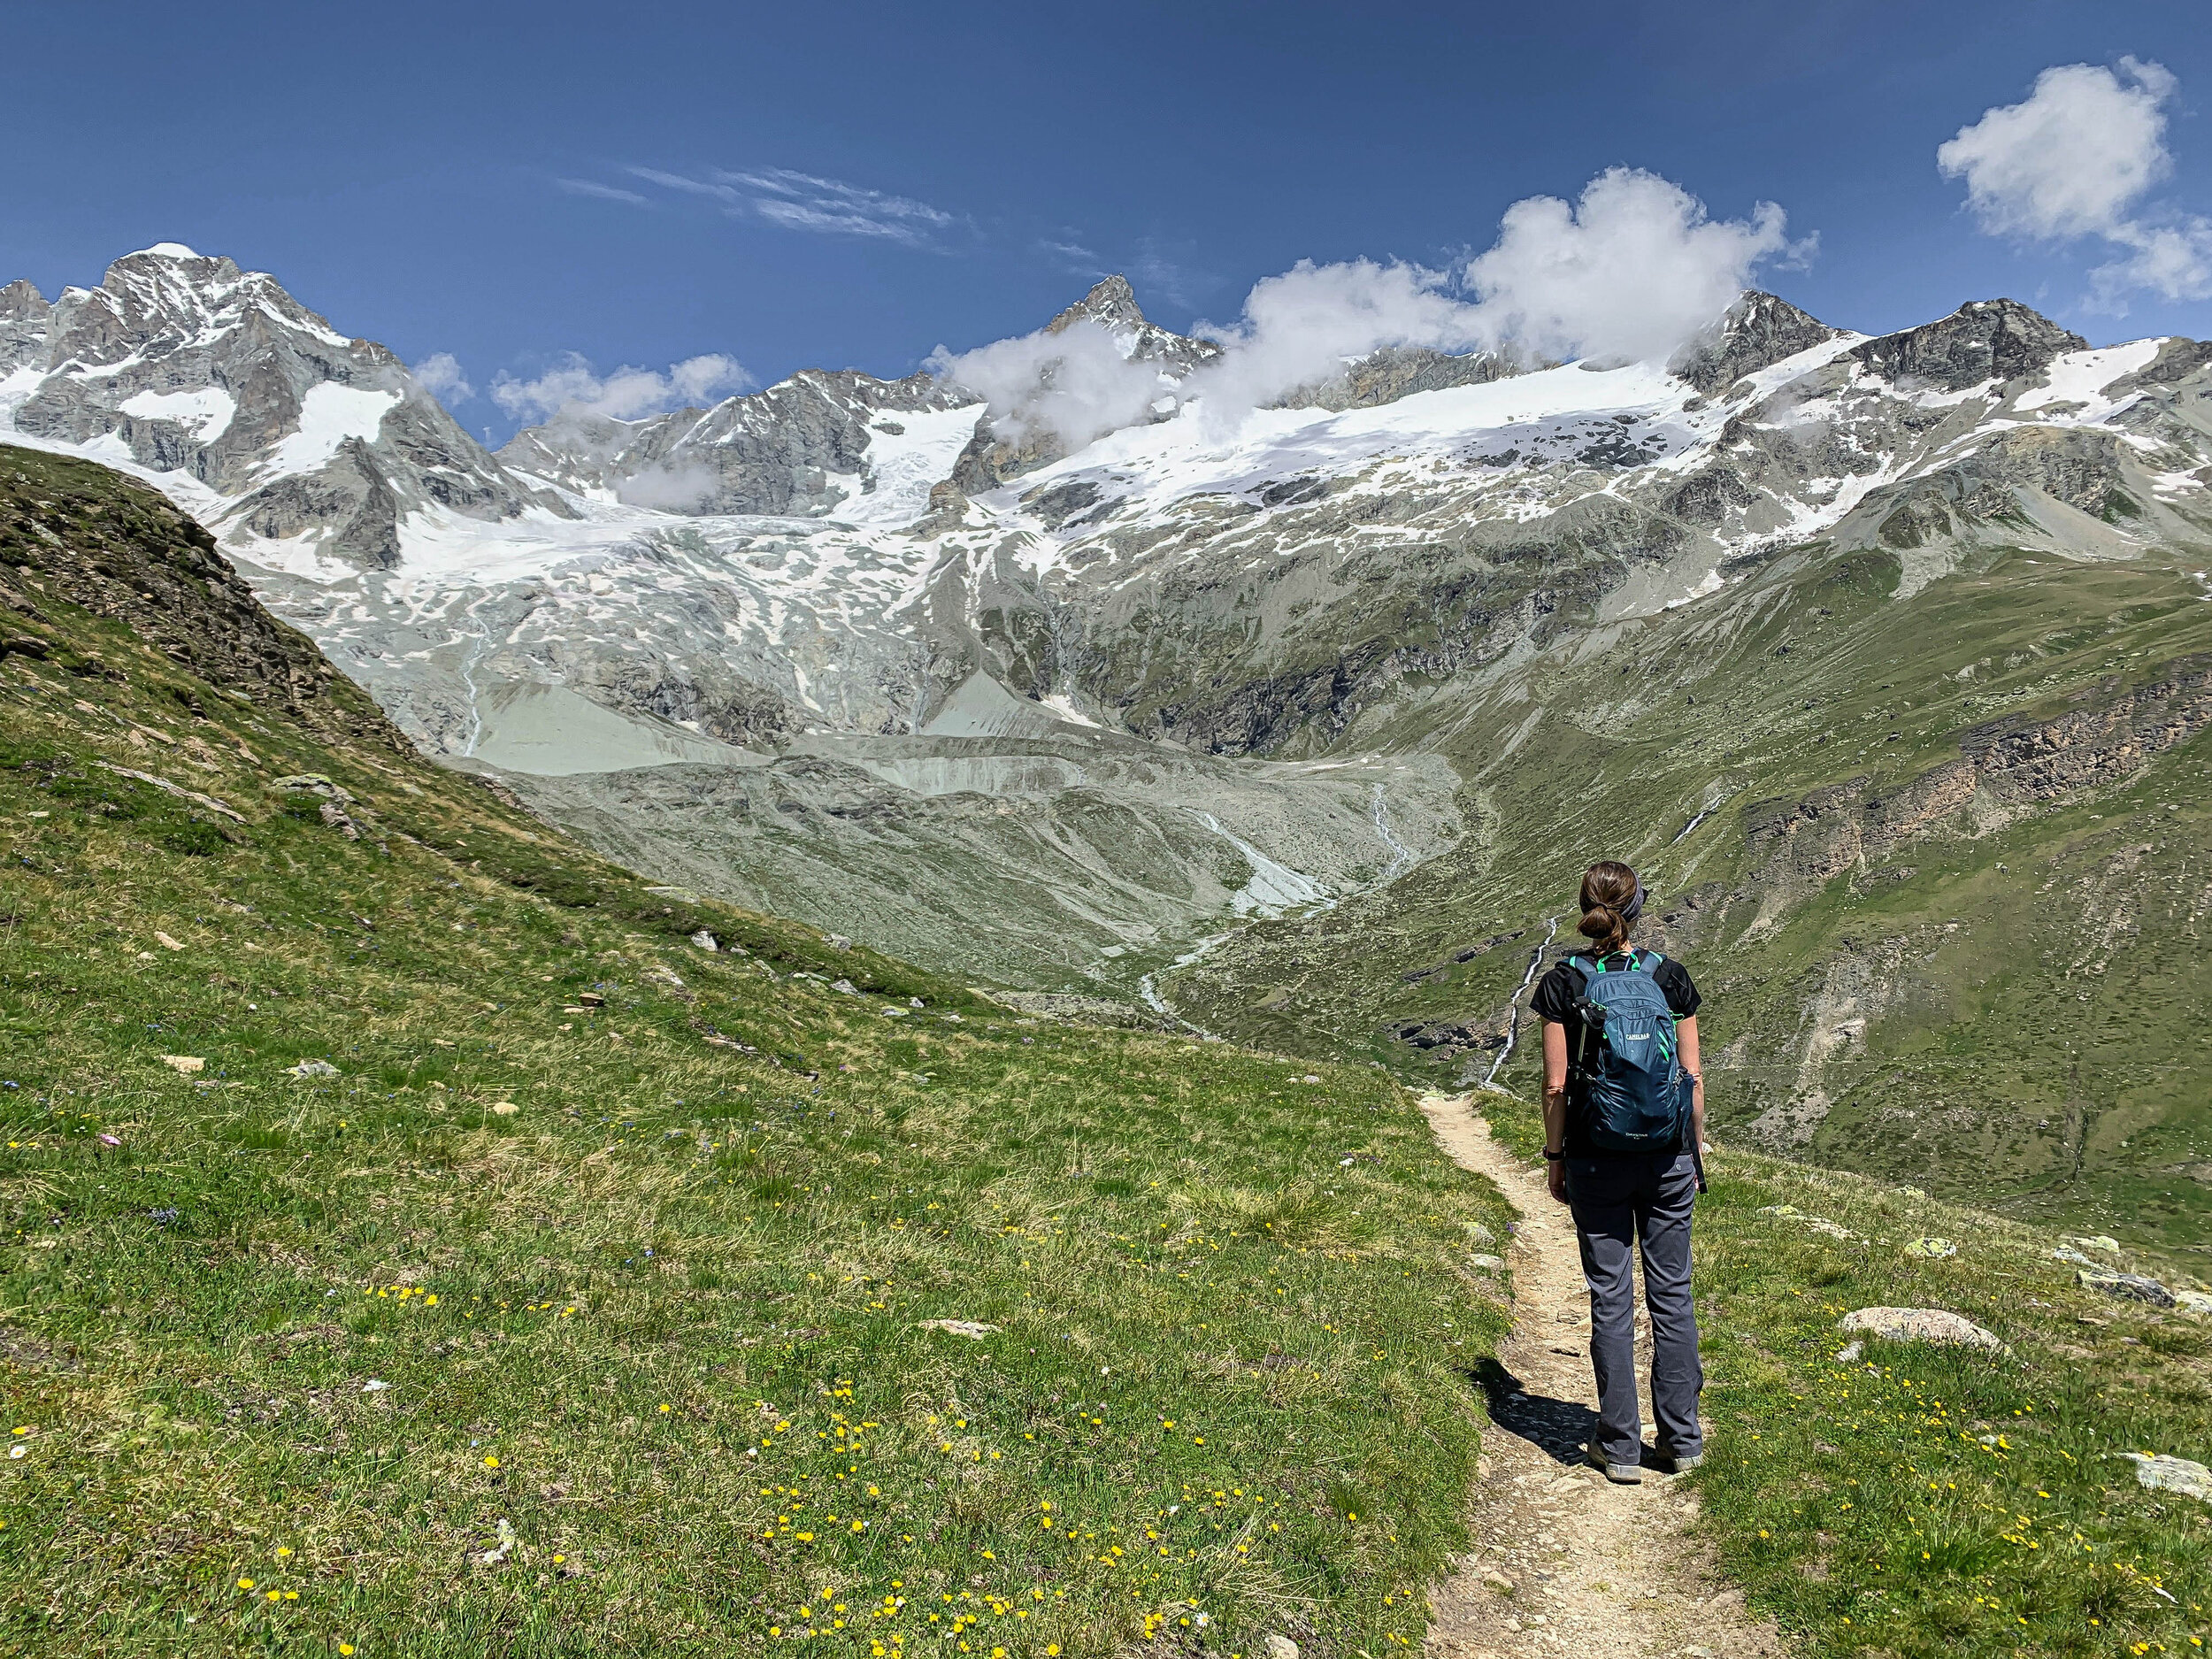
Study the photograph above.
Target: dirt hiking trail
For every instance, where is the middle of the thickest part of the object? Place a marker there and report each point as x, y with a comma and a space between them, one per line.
1565, 1562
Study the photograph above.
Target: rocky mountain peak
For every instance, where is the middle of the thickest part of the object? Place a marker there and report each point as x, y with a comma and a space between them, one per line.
190, 366
1755, 332
1982, 340
1112, 304
1111, 301
20, 303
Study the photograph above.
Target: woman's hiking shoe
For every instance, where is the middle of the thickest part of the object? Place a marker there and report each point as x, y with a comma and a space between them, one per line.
1674, 1464
1619, 1474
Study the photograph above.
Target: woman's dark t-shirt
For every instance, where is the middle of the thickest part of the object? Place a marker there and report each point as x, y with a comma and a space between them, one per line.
1558, 992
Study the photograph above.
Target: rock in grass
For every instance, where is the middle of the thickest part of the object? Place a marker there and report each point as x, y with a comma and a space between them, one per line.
1919, 1324
186, 1064
1487, 1264
706, 941
315, 783
2193, 1301
2094, 1241
311, 1068
2161, 1473
960, 1327
2127, 1287
1931, 1248
1281, 1648
1848, 1355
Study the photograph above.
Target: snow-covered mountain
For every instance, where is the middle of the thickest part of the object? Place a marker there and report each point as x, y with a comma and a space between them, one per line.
251, 409
850, 593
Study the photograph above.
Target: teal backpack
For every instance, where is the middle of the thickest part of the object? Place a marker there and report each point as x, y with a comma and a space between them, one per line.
1626, 1073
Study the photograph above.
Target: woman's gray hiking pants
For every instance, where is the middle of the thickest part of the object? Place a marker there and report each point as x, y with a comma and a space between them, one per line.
1616, 1201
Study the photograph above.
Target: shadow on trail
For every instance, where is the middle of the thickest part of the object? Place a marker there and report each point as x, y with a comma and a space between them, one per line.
1558, 1428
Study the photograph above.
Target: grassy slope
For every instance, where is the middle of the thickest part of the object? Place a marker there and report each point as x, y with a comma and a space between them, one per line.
660, 1321
2040, 1055
1928, 1503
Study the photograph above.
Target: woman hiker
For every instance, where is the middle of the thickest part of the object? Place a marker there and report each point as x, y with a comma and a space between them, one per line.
1624, 1119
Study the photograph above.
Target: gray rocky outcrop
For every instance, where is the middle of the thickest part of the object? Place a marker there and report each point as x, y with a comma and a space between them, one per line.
1757, 331
1982, 340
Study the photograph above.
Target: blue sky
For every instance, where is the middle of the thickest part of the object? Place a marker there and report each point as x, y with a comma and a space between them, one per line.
852, 185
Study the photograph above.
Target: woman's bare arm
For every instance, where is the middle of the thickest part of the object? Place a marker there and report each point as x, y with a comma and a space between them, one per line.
1555, 1103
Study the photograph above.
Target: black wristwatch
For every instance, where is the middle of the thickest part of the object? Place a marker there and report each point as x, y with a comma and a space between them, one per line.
1554, 1158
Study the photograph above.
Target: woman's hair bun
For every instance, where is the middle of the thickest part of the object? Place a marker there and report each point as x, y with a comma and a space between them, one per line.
1608, 899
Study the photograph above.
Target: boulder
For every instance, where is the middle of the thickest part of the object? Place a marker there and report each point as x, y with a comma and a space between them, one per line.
2161, 1473
1931, 1248
2127, 1287
1919, 1324
968, 1328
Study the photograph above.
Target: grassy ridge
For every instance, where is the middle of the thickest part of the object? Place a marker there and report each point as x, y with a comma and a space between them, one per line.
415, 1245
1937, 1501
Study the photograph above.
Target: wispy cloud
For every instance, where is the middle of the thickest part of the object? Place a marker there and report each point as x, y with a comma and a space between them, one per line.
808, 202
602, 192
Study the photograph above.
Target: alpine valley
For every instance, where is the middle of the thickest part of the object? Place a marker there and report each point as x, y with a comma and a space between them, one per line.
1886, 659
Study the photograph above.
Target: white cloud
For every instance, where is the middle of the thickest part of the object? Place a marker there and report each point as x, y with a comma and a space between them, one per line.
1631, 270
440, 375
804, 201
2074, 159
1077, 383
623, 394
603, 192
2067, 160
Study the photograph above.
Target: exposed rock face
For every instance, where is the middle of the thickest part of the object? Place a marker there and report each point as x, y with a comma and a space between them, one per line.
1757, 331
192, 366
23, 325
1396, 372
2104, 742
1982, 340
806, 447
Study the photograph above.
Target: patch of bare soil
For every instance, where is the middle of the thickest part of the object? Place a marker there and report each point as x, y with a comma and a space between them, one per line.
1565, 1561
